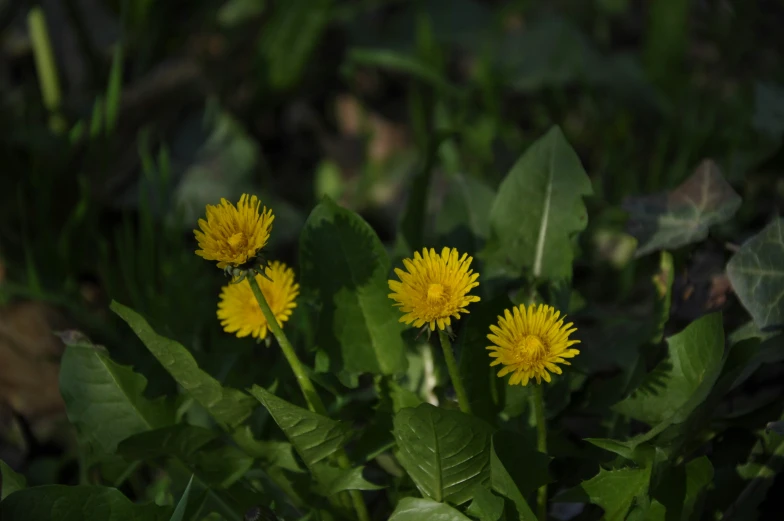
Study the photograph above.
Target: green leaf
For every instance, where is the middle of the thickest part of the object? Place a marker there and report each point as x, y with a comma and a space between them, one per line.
10, 481
181, 441
104, 400
683, 380
464, 219
756, 272
343, 260
485, 390
229, 407
222, 467
684, 215
527, 467
315, 437
179, 511
538, 234
663, 282
679, 488
333, 480
613, 490
486, 506
415, 509
446, 453
290, 37
76, 503
503, 483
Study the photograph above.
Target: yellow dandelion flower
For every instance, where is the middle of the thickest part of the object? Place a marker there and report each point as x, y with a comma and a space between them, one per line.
234, 235
434, 289
530, 343
239, 312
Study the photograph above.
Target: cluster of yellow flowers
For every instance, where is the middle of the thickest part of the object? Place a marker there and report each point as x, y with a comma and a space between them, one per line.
529, 341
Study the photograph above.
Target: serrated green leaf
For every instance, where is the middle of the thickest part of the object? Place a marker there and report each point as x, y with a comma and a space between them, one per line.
105, 401
683, 216
446, 453
76, 503
315, 437
486, 506
181, 441
681, 381
343, 260
756, 273
538, 235
415, 509
679, 489
179, 510
229, 407
613, 490
333, 480
10, 481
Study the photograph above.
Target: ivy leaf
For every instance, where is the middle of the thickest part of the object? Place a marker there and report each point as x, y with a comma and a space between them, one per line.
344, 261
756, 273
415, 509
446, 453
76, 503
229, 407
683, 380
315, 437
684, 215
10, 481
105, 401
538, 235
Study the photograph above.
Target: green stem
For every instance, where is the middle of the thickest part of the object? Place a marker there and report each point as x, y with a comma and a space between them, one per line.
454, 373
311, 396
45, 67
537, 403
305, 384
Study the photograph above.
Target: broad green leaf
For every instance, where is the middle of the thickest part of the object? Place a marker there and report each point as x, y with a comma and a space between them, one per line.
527, 467
503, 483
679, 488
756, 272
179, 510
682, 380
10, 481
333, 480
613, 490
446, 453
485, 390
315, 437
222, 467
539, 208
463, 221
684, 215
104, 400
181, 441
415, 509
230, 503
229, 407
343, 260
76, 503
486, 506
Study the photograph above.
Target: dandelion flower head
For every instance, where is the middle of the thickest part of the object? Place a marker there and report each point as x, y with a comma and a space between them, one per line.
239, 312
234, 235
530, 343
434, 288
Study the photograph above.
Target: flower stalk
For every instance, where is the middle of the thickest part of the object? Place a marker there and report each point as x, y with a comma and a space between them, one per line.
537, 404
305, 384
454, 372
